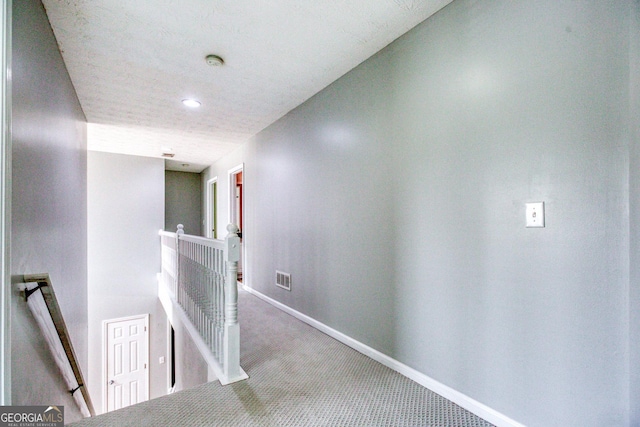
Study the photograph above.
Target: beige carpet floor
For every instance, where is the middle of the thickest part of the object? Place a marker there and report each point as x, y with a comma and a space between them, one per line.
298, 377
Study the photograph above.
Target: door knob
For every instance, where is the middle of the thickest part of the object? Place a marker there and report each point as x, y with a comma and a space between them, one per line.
112, 382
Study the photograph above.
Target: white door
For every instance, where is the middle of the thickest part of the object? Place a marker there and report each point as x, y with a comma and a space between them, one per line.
127, 361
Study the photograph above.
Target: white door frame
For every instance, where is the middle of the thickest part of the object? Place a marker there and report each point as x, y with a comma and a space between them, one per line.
233, 171
210, 220
105, 355
5, 202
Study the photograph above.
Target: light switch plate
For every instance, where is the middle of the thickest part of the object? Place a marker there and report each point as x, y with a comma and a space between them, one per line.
535, 214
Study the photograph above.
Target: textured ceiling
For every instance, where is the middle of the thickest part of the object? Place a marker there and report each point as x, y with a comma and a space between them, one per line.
132, 62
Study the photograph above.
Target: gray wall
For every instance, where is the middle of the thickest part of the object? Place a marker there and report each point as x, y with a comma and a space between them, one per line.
126, 211
634, 209
396, 199
182, 201
49, 232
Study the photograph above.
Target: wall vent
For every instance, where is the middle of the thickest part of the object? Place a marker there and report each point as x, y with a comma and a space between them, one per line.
283, 280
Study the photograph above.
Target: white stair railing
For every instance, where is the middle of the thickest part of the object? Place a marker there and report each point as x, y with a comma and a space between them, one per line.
200, 276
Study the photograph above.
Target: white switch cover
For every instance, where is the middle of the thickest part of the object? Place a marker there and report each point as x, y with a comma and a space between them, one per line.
535, 214
161, 360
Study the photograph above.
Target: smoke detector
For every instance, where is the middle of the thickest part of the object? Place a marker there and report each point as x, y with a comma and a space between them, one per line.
214, 60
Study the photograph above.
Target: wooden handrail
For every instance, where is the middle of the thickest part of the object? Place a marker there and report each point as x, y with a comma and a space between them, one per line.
46, 288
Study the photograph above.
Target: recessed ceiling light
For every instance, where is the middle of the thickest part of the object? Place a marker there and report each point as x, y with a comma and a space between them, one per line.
191, 103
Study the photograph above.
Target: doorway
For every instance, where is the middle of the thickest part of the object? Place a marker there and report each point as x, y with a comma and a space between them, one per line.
126, 361
212, 208
171, 352
236, 210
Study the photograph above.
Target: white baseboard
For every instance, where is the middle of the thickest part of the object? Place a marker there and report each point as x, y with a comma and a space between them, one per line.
471, 405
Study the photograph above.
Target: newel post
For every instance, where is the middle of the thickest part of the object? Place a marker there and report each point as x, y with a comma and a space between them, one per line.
231, 327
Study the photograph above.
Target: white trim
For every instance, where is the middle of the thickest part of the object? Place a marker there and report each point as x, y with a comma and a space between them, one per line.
243, 260
230, 174
175, 312
468, 403
208, 210
105, 355
236, 169
5, 202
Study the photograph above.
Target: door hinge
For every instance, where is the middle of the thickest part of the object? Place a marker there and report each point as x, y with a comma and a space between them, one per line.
145, 366
145, 329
